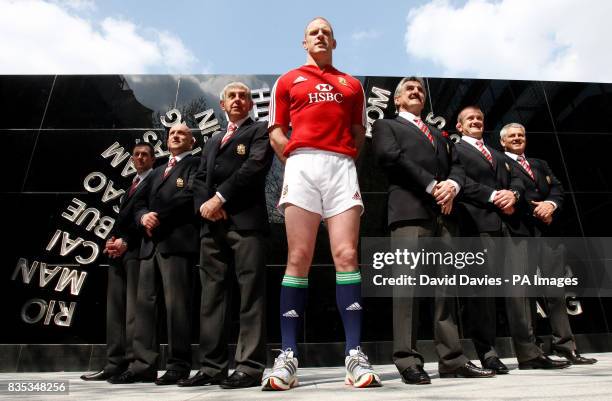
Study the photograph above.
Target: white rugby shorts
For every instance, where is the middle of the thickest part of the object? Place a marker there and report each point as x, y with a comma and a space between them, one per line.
321, 182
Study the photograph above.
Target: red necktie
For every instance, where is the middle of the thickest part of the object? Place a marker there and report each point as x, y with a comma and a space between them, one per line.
133, 186
424, 129
171, 163
231, 128
484, 151
526, 166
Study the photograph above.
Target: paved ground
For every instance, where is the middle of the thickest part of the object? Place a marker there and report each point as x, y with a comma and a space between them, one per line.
323, 384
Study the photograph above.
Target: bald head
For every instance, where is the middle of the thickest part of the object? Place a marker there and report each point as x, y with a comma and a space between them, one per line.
180, 139
319, 19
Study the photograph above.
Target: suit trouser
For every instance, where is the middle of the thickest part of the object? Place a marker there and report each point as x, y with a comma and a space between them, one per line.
509, 257
552, 264
173, 273
242, 255
121, 313
406, 311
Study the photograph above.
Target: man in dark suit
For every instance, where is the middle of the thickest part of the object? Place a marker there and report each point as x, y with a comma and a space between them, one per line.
424, 175
488, 209
168, 251
123, 250
543, 199
229, 194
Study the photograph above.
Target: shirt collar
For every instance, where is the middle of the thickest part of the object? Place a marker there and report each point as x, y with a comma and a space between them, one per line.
240, 122
144, 174
181, 156
408, 116
514, 156
470, 140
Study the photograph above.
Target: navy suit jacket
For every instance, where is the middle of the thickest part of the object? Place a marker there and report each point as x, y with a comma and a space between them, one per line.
125, 226
238, 172
172, 199
476, 213
411, 163
545, 187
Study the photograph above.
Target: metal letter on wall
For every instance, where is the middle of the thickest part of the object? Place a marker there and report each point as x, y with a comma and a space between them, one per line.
26, 274
95, 250
438, 121
45, 275
42, 305
376, 106
261, 103
65, 314
94, 188
72, 277
208, 122
119, 154
76, 211
171, 118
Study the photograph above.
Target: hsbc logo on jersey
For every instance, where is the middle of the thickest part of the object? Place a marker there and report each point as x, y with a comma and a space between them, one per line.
324, 87
325, 94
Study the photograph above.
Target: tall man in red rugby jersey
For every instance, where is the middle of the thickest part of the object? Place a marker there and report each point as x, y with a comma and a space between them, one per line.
326, 111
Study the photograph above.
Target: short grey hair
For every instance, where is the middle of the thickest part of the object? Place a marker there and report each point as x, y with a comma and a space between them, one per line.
506, 127
234, 84
399, 87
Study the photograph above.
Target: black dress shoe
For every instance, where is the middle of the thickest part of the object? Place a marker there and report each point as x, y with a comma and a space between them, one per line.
469, 370
572, 356
241, 380
128, 377
543, 362
171, 377
99, 375
415, 375
495, 365
201, 378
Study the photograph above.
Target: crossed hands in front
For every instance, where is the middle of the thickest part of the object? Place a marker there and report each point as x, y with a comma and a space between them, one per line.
444, 192
213, 210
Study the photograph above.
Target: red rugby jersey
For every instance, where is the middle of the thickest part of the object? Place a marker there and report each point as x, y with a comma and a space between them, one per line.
321, 105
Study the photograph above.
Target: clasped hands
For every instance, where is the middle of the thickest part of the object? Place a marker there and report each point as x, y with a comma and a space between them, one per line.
115, 247
212, 209
444, 192
543, 211
149, 222
505, 200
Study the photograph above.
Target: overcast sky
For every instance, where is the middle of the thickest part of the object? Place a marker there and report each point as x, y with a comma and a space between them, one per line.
517, 39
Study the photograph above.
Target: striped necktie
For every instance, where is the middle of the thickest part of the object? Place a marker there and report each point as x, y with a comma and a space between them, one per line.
484, 151
523, 162
171, 163
134, 186
425, 130
231, 128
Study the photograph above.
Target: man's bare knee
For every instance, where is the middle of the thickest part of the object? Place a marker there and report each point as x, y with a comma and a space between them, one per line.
345, 258
298, 261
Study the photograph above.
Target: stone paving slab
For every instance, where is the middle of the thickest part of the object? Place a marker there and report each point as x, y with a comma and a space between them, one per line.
322, 384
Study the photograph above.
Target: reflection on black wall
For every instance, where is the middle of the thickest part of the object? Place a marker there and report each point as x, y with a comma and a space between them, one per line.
58, 127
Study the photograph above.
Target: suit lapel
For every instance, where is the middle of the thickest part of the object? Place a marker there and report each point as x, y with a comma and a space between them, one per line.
212, 156
478, 153
230, 142
522, 169
538, 174
417, 132
173, 172
127, 198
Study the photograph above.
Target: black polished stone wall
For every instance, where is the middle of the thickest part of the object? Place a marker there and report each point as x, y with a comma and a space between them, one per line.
55, 129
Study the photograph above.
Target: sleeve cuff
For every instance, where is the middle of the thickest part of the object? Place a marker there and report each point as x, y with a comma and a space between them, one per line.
430, 187
220, 197
492, 196
552, 203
